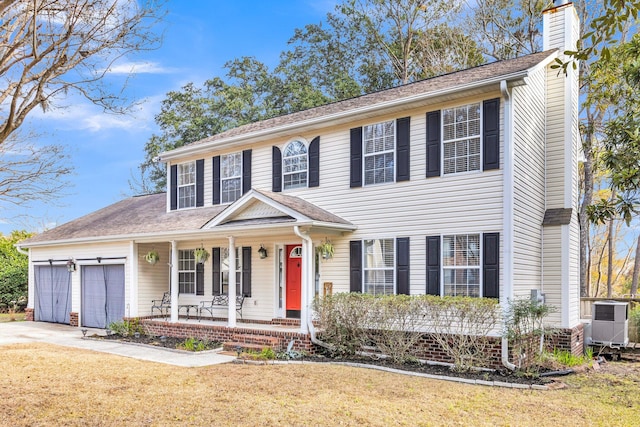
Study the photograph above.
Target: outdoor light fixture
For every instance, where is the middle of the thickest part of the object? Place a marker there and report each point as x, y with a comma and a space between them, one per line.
71, 265
262, 251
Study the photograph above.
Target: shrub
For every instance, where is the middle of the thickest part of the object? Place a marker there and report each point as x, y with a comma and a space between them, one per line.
461, 325
634, 321
394, 326
343, 318
126, 327
525, 330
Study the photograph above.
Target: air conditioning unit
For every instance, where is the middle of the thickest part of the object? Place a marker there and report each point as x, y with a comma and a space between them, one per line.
610, 323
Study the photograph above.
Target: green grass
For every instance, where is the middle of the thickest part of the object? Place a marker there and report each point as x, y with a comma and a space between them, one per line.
8, 317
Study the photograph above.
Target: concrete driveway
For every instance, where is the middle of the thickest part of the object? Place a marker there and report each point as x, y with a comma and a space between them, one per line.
68, 336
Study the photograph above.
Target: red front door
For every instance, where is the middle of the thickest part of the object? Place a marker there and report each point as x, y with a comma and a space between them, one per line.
294, 277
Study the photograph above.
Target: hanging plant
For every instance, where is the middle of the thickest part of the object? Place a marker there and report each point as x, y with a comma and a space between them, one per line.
325, 249
152, 257
201, 255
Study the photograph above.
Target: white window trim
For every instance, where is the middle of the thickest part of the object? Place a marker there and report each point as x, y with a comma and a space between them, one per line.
442, 140
394, 268
229, 178
479, 267
284, 157
392, 151
180, 186
182, 252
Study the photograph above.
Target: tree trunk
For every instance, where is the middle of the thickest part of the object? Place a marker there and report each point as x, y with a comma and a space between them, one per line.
636, 271
583, 218
610, 240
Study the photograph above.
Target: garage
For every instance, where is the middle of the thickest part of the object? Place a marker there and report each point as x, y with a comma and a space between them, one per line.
52, 293
102, 295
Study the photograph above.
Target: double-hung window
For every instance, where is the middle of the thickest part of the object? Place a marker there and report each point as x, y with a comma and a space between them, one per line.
231, 177
379, 142
186, 185
379, 267
224, 271
461, 138
186, 271
295, 165
461, 265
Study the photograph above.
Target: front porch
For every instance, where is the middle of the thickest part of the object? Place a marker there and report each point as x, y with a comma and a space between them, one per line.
248, 334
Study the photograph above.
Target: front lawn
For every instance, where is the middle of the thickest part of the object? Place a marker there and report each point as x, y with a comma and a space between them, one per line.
49, 385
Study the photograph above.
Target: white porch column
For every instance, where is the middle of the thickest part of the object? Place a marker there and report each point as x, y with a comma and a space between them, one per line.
133, 280
231, 317
307, 279
175, 278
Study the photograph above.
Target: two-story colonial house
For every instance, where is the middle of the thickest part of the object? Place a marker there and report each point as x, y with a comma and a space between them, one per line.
462, 184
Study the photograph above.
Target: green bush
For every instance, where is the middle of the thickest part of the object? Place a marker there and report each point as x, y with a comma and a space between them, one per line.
634, 321
126, 327
13, 270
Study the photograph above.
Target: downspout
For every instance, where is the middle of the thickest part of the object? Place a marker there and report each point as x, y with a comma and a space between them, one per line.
22, 251
507, 198
307, 258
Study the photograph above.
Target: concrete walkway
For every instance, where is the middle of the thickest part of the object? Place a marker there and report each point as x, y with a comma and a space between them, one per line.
68, 336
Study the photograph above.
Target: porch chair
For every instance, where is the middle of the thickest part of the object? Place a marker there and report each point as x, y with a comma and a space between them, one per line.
162, 305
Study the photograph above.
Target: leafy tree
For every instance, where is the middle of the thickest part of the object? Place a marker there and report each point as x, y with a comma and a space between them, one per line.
13, 269
508, 28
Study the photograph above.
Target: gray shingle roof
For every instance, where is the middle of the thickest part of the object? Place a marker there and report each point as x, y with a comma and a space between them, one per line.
135, 215
434, 84
146, 215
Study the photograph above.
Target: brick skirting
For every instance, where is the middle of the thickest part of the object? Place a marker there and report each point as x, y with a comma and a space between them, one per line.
28, 314
571, 340
302, 342
73, 319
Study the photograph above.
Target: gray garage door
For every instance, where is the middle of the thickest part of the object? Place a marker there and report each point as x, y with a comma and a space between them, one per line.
102, 295
52, 293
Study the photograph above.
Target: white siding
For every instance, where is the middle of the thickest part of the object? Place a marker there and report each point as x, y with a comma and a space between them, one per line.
529, 191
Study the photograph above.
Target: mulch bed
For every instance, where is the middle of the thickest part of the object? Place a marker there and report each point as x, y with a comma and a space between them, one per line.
166, 342
503, 375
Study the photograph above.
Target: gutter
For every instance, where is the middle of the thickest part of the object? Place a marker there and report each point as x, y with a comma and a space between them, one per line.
22, 251
507, 198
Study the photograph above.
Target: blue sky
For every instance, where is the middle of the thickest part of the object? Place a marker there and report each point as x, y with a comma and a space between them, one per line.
199, 37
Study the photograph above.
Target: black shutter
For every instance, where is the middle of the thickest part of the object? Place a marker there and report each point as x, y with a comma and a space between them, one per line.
276, 170
314, 162
355, 265
174, 187
246, 271
491, 134
216, 270
356, 157
246, 171
490, 265
433, 144
402, 149
433, 265
199, 279
200, 182
402, 265
216, 180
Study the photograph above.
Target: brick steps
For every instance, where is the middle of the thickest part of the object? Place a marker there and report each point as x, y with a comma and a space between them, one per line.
251, 342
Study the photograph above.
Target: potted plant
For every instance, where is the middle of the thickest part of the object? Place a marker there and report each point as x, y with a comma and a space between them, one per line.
201, 255
325, 249
152, 257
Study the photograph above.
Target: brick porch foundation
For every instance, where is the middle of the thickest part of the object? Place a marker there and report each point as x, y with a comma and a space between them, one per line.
28, 314
73, 319
302, 342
